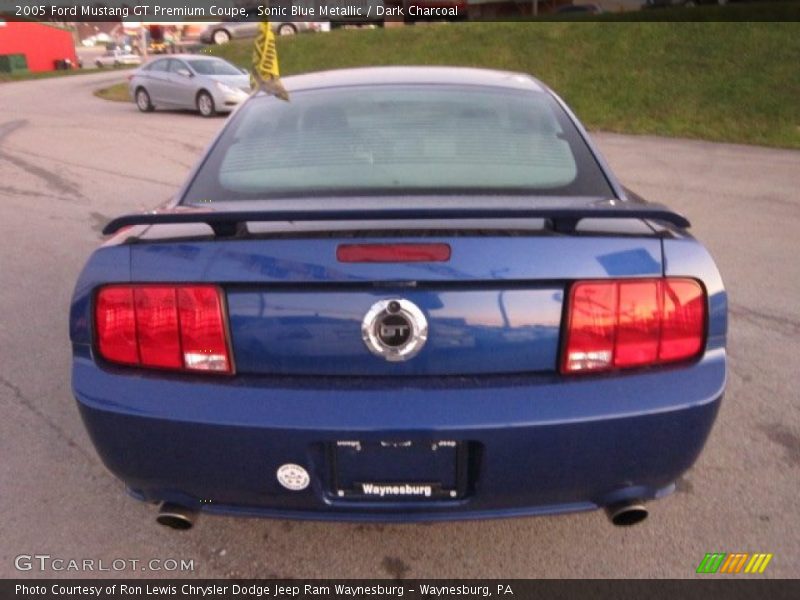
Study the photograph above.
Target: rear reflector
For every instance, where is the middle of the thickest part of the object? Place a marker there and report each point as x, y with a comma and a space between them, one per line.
617, 324
388, 253
163, 326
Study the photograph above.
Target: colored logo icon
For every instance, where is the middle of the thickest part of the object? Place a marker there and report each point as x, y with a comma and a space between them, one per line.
741, 562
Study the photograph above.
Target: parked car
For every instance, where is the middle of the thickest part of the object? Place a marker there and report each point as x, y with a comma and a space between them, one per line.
688, 3
207, 84
98, 38
117, 58
408, 293
225, 31
586, 9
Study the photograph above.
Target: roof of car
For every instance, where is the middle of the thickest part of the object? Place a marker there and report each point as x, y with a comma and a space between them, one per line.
413, 75
188, 56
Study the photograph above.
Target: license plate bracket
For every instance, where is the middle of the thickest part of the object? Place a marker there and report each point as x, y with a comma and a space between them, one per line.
398, 470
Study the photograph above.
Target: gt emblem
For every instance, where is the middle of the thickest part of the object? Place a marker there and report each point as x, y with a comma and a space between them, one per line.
395, 330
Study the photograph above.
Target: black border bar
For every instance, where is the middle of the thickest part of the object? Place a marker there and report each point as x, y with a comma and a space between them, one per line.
727, 587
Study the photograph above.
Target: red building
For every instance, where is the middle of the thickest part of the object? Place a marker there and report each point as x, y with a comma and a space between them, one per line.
41, 43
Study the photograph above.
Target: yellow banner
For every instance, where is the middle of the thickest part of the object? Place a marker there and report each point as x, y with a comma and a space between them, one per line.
265, 55
266, 74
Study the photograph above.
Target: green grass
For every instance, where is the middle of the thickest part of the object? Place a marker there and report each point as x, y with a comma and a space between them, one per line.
720, 81
116, 93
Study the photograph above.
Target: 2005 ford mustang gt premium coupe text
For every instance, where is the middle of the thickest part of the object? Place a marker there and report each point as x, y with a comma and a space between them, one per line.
406, 294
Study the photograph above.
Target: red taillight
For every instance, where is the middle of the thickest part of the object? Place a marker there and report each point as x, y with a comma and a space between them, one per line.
162, 326
638, 322
203, 339
683, 319
592, 324
386, 253
627, 323
116, 325
157, 327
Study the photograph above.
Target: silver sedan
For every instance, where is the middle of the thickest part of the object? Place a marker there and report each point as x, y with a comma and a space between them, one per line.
207, 84
116, 58
223, 32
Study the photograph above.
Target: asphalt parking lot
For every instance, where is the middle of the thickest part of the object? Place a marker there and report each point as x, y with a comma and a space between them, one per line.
70, 161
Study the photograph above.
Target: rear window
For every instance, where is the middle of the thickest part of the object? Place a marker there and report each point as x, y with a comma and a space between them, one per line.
399, 140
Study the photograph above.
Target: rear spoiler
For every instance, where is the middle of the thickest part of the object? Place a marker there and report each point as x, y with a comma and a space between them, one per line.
564, 220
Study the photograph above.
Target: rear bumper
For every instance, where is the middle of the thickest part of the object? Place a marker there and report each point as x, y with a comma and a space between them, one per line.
538, 445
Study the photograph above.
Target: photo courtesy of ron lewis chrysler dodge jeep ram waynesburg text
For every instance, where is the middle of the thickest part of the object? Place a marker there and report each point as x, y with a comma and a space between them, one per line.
406, 294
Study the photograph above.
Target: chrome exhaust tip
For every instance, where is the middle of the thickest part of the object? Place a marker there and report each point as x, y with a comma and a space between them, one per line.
175, 516
626, 514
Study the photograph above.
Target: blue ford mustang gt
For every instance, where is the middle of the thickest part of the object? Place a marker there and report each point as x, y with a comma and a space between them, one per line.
405, 294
